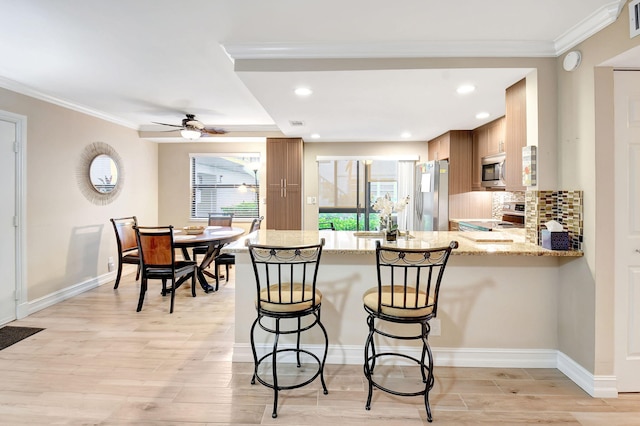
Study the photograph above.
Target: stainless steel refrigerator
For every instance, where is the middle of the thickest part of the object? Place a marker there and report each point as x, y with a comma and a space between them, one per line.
431, 200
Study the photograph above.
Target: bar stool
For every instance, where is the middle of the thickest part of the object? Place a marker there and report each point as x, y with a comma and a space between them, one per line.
285, 294
407, 293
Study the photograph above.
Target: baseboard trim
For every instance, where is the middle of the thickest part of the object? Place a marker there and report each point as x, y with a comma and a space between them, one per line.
596, 386
67, 293
448, 357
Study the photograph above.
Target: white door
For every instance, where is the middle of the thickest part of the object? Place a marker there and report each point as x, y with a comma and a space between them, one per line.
627, 230
7, 214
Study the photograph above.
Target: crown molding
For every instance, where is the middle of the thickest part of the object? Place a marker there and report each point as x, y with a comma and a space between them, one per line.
415, 49
436, 49
594, 23
22, 89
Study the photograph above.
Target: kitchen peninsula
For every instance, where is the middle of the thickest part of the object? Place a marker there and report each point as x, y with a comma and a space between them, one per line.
498, 300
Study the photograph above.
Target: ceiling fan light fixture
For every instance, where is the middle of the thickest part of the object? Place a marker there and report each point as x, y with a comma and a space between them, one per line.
190, 134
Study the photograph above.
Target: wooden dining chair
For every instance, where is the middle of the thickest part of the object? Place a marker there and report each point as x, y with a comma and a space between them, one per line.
158, 262
228, 259
127, 244
255, 224
215, 219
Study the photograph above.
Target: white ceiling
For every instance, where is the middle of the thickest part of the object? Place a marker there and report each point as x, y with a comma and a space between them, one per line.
135, 62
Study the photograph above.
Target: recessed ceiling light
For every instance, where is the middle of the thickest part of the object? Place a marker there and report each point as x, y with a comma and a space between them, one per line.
482, 115
466, 88
303, 91
315, 136
406, 135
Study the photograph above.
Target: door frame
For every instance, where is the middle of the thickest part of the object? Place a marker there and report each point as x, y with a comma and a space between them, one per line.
621, 268
20, 122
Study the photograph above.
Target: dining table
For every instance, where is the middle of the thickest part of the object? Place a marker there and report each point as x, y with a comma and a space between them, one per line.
212, 237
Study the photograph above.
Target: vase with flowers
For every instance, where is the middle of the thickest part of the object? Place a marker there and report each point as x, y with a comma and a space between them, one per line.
385, 206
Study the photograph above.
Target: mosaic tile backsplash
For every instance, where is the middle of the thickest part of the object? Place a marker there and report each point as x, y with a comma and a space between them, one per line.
565, 207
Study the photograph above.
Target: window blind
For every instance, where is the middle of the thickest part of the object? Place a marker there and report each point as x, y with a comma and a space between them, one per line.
225, 183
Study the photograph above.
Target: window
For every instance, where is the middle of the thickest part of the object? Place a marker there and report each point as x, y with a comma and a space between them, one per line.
225, 183
348, 187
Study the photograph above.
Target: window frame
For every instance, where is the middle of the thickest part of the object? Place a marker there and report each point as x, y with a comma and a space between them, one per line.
251, 184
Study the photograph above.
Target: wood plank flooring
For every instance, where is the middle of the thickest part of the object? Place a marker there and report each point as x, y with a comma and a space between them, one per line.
100, 362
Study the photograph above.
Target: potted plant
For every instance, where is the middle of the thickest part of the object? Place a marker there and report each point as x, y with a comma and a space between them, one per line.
385, 206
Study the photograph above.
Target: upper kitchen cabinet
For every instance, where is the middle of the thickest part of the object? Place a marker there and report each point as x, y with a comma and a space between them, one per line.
487, 140
515, 134
456, 146
496, 136
439, 148
284, 183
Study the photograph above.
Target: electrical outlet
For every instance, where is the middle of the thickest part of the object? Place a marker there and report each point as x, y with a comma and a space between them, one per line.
110, 265
435, 327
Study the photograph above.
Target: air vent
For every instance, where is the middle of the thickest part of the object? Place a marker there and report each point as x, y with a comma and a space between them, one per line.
296, 123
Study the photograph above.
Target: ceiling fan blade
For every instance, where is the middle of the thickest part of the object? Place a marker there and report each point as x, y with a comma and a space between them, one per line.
213, 131
166, 124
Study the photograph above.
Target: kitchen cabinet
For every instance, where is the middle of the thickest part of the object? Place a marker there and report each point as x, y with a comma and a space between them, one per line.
488, 139
515, 134
284, 183
438, 148
496, 136
456, 146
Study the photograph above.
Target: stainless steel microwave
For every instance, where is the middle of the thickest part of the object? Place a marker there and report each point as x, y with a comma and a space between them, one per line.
493, 171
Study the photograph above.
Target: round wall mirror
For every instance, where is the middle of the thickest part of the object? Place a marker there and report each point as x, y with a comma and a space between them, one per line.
100, 173
103, 173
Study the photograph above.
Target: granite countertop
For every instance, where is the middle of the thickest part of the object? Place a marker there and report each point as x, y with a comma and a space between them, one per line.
508, 242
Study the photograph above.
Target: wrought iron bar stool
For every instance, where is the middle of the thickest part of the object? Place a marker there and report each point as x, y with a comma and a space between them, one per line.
407, 293
286, 294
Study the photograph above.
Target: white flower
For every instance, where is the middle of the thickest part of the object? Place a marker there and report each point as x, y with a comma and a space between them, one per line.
385, 206
400, 205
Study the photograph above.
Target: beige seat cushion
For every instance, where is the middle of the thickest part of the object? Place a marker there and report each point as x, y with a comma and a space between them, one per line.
370, 299
291, 301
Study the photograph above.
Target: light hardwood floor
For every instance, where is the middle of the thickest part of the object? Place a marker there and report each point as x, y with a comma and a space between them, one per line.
100, 362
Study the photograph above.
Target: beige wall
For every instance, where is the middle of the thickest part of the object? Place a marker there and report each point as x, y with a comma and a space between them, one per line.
69, 239
173, 178
585, 135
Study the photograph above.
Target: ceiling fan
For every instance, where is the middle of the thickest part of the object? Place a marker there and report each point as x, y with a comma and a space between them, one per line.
192, 129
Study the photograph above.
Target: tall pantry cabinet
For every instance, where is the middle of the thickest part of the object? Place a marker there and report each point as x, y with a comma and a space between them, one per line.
284, 183
515, 133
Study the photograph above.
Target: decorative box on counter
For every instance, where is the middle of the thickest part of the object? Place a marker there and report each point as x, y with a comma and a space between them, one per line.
555, 240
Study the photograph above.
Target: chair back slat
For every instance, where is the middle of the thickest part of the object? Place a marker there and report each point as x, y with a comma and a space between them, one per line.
219, 219
255, 224
156, 246
286, 275
125, 234
413, 275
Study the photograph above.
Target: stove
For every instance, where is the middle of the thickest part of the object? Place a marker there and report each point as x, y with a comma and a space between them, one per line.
513, 212
512, 217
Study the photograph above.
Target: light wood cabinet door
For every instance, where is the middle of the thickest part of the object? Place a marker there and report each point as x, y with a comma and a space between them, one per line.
438, 148
456, 146
460, 144
495, 137
515, 134
284, 183
479, 150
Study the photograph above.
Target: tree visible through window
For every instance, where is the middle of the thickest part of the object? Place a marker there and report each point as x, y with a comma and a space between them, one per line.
225, 183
